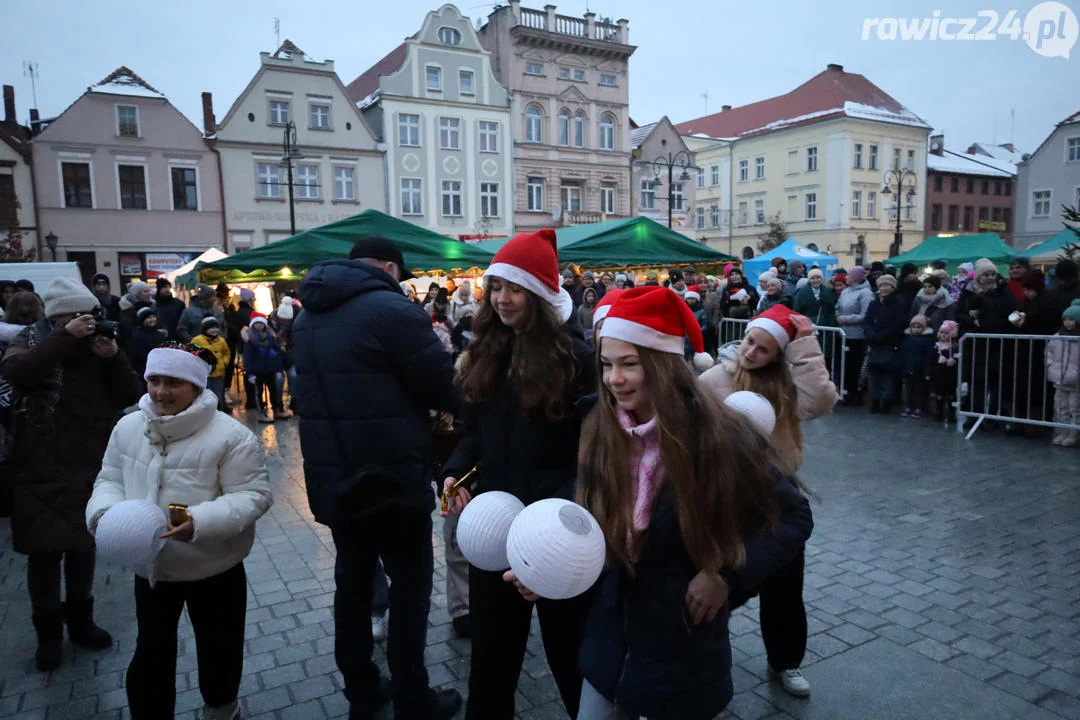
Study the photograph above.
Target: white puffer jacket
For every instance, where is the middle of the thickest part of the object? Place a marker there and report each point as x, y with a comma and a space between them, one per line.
200, 458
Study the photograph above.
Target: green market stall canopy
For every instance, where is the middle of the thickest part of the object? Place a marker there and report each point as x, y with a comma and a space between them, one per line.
1052, 250
956, 249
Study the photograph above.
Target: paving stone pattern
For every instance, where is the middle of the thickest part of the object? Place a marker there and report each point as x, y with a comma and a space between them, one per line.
967, 554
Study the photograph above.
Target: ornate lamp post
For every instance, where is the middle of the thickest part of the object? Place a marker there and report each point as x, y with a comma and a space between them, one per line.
290, 156
51, 241
899, 182
681, 160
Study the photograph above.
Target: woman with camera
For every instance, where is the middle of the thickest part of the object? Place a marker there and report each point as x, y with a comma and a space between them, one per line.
71, 384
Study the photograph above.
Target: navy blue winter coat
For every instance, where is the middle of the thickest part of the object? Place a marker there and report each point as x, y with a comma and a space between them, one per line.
262, 360
382, 369
885, 321
641, 649
917, 353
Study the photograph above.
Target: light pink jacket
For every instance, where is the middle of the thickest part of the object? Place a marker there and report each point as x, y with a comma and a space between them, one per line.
1063, 363
817, 394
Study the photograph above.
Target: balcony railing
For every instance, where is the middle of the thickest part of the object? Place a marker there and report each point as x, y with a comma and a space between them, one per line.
565, 25
583, 218
587, 28
608, 32
533, 18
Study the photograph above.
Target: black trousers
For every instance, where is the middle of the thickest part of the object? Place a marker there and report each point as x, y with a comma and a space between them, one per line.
217, 607
268, 381
782, 615
401, 536
916, 393
856, 349
43, 579
501, 620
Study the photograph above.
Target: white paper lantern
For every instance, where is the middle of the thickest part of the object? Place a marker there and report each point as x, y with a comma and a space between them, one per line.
755, 408
129, 534
483, 527
556, 548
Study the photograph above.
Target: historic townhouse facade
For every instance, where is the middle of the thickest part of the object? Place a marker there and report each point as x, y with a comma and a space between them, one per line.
126, 183
444, 119
653, 192
815, 158
17, 203
338, 171
569, 82
972, 191
1046, 180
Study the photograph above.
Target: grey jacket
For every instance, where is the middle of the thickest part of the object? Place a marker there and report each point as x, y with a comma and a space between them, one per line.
851, 309
191, 319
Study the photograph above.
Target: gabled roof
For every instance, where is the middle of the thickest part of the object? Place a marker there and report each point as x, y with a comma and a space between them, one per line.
999, 153
967, 164
123, 81
368, 82
830, 94
17, 137
288, 49
1074, 118
639, 134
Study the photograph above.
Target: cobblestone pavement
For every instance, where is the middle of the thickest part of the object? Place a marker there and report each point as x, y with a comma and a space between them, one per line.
942, 581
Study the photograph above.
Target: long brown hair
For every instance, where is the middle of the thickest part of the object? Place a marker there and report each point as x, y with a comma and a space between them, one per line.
774, 381
538, 360
711, 458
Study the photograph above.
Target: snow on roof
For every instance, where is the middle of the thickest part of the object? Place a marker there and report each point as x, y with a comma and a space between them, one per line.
999, 153
639, 134
903, 116
964, 164
123, 81
369, 100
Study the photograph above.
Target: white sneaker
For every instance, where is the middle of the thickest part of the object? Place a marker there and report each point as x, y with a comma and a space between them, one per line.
378, 627
793, 681
231, 711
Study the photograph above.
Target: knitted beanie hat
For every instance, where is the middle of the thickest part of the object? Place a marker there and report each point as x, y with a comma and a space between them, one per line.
175, 362
983, 265
65, 296
816, 273
1072, 312
887, 280
858, 274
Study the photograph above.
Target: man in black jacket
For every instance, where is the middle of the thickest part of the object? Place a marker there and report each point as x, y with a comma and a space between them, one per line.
369, 368
169, 308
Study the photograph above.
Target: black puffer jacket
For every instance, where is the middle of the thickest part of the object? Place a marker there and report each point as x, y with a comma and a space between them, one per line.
382, 368
640, 648
530, 458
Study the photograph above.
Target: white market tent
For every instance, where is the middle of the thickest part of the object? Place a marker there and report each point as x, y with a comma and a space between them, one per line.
789, 250
40, 273
211, 255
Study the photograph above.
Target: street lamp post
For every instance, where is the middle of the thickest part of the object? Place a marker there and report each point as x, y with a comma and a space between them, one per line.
51, 241
291, 154
681, 159
894, 182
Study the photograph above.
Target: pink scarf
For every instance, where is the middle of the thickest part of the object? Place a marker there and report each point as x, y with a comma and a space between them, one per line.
644, 467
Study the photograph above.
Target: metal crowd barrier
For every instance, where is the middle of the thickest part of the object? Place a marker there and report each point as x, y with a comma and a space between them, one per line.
832, 340
1004, 378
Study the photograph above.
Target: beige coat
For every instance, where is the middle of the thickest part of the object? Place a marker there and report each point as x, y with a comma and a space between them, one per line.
817, 394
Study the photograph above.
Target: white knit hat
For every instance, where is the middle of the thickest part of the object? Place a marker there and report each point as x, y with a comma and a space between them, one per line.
65, 296
177, 363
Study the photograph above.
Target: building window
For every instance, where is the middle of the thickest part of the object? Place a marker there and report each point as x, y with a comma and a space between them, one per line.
579, 75
984, 214
132, 186
792, 162
320, 117
564, 73
744, 170
449, 36
700, 217
938, 183
648, 194
534, 68
911, 160
896, 158
410, 197
571, 198
579, 130
969, 186
954, 217
858, 155
908, 210
434, 78
307, 182
1006, 217
77, 188
489, 199
1072, 149
676, 196
489, 136
465, 82
954, 184
450, 133
759, 211
279, 112
872, 161
607, 79
997, 187
409, 129
996, 214
451, 198
185, 195
759, 167
534, 125
268, 180
856, 203
811, 159
714, 215
1040, 203
1008, 188
969, 218
811, 206
985, 187
607, 132
564, 127
714, 175
742, 212
871, 204
536, 194
344, 185
127, 121
935, 216
607, 199
701, 179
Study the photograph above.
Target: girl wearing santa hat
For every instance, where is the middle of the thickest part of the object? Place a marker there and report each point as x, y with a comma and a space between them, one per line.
522, 375
780, 358
676, 482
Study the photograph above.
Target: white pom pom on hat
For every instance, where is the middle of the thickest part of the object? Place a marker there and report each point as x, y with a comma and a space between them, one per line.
657, 318
755, 407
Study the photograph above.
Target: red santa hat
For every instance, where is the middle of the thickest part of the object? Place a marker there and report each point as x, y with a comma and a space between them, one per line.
531, 260
656, 318
604, 306
777, 322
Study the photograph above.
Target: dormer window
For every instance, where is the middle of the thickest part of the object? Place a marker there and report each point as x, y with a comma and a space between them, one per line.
449, 36
127, 121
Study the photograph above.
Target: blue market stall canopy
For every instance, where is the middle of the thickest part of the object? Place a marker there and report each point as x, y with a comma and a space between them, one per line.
789, 250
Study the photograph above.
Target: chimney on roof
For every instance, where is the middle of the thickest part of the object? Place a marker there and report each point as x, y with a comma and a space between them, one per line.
209, 123
834, 67
725, 108
937, 144
1009, 147
9, 104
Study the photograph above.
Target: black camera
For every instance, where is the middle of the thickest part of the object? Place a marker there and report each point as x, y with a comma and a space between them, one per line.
105, 328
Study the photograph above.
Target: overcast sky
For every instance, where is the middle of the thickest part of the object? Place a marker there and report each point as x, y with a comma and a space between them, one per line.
737, 51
